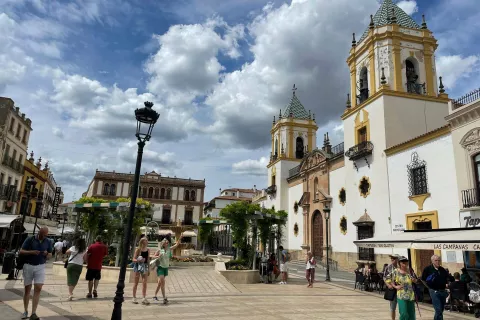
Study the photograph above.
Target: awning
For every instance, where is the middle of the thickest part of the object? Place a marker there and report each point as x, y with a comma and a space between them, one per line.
6, 220
440, 239
29, 227
164, 232
189, 233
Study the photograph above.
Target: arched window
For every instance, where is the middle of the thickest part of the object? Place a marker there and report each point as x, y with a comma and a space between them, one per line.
315, 189
363, 85
411, 72
192, 196
187, 195
156, 193
144, 193
299, 148
112, 189
169, 193
275, 154
162, 193
150, 192
106, 189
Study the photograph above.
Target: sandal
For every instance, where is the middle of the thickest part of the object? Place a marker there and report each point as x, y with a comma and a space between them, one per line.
165, 301
95, 294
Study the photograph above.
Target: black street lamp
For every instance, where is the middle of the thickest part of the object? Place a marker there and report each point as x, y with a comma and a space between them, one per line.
29, 185
146, 119
65, 214
326, 210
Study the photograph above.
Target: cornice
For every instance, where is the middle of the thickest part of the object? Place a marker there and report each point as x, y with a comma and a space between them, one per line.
418, 140
464, 115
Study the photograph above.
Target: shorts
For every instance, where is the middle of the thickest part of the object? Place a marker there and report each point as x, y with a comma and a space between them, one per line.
162, 271
393, 304
283, 267
93, 274
33, 274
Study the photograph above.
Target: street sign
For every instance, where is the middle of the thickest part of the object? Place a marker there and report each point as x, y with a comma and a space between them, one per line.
56, 200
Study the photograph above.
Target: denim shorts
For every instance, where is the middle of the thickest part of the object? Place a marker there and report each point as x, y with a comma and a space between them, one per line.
393, 304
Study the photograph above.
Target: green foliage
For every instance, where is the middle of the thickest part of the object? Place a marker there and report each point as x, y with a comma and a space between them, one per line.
205, 232
239, 264
140, 214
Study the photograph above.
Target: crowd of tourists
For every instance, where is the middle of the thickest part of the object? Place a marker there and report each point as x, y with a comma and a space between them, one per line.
37, 249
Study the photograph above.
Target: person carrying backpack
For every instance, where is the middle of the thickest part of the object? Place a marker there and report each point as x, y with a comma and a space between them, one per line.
436, 278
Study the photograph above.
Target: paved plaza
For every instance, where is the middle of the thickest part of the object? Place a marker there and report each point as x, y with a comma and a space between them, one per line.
201, 293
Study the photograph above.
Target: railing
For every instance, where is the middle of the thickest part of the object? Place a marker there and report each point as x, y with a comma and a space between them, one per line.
273, 157
466, 99
14, 164
338, 149
7, 160
9, 193
470, 198
271, 190
294, 171
360, 150
418, 88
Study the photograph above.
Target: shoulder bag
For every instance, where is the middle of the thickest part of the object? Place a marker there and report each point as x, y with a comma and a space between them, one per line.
69, 259
390, 294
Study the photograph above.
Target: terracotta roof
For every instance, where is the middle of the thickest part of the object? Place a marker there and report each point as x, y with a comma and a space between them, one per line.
420, 139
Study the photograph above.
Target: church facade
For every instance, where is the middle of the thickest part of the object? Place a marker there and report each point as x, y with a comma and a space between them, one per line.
395, 169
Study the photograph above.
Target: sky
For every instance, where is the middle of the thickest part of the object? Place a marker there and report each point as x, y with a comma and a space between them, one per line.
216, 70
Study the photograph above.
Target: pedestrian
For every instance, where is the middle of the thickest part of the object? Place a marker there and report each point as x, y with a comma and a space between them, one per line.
162, 263
37, 249
94, 256
387, 277
75, 264
436, 278
402, 279
465, 277
310, 272
283, 264
141, 259
58, 249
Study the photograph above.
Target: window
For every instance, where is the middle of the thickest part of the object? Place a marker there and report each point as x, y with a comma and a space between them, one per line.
144, 192
14, 155
363, 85
162, 193
233, 194
193, 196
106, 189
157, 193
299, 148
24, 138
7, 150
150, 192
342, 196
417, 176
166, 216
412, 77
476, 166
9, 181
362, 135
169, 193
16, 183
365, 254
112, 189
21, 160
187, 195
188, 217
273, 180
343, 225
364, 187
276, 148
19, 127
12, 124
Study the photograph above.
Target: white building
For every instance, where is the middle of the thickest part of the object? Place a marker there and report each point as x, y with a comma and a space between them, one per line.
227, 196
15, 131
391, 176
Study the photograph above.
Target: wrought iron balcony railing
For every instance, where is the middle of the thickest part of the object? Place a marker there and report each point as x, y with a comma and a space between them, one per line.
471, 198
9, 193
338, 149
360, 150
418, 88
466, 99
271, 190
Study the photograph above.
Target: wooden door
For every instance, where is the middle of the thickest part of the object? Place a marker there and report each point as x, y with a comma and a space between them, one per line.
423, 256
317, 234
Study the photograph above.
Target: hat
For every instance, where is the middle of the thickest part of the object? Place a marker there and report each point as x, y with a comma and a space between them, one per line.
402, 259
395, 256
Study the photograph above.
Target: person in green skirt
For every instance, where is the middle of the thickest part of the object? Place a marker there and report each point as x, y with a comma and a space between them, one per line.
402, 280
75, 264
162, 264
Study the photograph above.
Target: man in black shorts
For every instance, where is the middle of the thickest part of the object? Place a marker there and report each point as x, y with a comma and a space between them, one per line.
95, 254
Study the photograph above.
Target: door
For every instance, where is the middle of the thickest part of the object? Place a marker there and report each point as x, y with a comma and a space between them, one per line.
317, 234
423, 256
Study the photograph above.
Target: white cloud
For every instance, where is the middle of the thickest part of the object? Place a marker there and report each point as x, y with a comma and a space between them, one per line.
58, 132
455, 67
409, 6
251, 167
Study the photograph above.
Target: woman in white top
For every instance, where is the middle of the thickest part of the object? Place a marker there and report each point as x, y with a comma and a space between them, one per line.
75, 264
310, 272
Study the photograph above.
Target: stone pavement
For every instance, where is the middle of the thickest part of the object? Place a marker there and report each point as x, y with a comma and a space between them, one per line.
201, 293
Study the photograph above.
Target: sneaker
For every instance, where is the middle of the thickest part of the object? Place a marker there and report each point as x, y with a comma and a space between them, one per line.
281, 282
89, 296
70, 298
165, 301
134, 300
95, 294
34, 317
155, 299
25, 315
145, 302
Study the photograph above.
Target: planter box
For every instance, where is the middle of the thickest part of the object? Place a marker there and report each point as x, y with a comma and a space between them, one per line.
192, 264
241, 276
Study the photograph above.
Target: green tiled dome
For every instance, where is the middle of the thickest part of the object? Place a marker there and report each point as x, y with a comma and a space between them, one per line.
296, 108
384, 14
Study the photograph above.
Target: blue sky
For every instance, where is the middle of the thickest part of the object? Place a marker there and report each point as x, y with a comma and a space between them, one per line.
217, 71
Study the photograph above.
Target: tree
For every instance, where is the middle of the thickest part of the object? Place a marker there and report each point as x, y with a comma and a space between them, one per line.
90, 221
237, 215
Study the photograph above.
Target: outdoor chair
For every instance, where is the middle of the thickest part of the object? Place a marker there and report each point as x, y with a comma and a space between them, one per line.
375, 281
359, 280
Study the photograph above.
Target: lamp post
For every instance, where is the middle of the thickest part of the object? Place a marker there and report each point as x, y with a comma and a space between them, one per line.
146, 119
65, 214
326, 210
29, 184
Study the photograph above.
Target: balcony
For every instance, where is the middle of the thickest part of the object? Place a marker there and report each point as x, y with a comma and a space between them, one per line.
9, 193
338, 149
360, 150
470, 198
272, 190
14, 164
418, 88
273, 157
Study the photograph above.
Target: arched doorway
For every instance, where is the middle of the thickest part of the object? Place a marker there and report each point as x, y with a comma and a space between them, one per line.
317, 234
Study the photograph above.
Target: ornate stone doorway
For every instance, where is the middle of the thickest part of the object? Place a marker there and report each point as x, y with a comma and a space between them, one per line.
317, 234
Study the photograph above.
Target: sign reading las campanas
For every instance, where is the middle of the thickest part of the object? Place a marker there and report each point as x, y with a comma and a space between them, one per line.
448, 246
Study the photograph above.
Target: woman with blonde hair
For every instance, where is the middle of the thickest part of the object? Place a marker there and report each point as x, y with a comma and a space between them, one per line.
140, 267
162, 263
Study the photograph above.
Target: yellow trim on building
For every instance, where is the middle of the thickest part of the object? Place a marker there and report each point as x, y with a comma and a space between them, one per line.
418, 140
40, 176
365, 123
290, 143
373, 82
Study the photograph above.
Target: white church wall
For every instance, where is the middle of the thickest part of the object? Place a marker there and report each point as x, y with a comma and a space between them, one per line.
295, 241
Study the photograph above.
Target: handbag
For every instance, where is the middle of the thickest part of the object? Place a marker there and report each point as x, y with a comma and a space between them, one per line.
390, 294
65, 265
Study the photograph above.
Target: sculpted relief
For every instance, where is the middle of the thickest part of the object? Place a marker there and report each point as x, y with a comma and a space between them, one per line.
314, 160
471, 141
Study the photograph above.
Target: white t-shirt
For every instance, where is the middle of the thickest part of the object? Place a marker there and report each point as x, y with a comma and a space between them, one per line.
78, 257
58, 245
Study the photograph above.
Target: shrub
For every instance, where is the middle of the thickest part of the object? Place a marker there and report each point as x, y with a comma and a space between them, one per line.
240, 264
